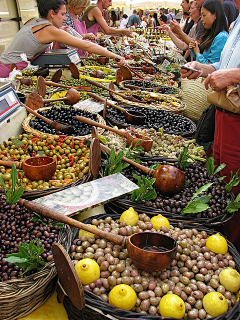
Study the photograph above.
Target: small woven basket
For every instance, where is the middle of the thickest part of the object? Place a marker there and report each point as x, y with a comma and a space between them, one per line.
96, 308
195, 98
28, 129
19, 297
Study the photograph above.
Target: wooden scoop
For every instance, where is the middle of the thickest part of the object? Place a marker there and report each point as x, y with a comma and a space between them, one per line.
132, 116
146, 143
169, 179
35, 101
35, 168
59, 127
42, 83
131, 98
139, 245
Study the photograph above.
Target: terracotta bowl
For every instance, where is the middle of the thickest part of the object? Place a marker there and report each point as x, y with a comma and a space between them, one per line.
146, 250
39, 168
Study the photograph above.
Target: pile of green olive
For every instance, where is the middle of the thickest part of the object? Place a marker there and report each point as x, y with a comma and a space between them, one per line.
72, 158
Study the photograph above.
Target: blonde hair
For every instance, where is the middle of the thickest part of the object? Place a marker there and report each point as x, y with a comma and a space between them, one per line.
79, 3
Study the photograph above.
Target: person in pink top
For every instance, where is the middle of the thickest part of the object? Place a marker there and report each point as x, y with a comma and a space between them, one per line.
73, 20
93, 17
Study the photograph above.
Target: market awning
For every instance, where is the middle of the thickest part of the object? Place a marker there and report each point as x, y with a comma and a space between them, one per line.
120, 4
155, 4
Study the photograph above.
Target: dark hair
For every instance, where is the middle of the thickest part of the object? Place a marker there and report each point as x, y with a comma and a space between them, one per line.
220, 23
125, 16
44, 6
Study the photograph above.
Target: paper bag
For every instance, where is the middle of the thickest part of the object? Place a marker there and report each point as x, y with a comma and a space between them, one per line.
228, 99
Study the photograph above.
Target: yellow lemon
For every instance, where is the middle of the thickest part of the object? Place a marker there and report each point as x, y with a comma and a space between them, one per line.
87, 270
123, 296
172, 306
217, 243
129, 216
215, 304
160, 221
83, 233
230, 279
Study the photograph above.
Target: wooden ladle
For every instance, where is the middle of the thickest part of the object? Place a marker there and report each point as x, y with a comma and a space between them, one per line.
132, 116
131, 98
35, 168
42, 83
146, 143
59, 127
169, 179
149, 251
35, 101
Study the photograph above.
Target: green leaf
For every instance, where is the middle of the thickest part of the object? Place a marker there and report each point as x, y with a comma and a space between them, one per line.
18, 143
195, 207
234, 206
219, 168
23, 251
16, 260
210, 166
2, 182
203, 199
14, 175
40, 152
221, 178
112, 156
150, 194
200, 190
17, 195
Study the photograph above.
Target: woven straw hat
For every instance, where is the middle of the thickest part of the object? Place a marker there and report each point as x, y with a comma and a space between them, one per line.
195, 98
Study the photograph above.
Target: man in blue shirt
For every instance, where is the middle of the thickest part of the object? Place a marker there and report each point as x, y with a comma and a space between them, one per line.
134, 19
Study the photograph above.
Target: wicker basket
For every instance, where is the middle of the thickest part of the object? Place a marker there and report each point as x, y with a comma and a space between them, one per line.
174, 105
95, 308
195, 98
19, 297
176, 92
28, 129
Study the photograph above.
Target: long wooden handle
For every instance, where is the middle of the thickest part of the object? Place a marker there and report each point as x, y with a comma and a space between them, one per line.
8, 163
97, 124
105, 88
144, 169
53, 100
36, 114
49, 213
55, 84
94, 96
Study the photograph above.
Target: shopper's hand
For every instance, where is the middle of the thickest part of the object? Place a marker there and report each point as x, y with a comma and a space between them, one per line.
89, 36
120, 60
192, 44
166, 29
189, 73
220, 79
126, 32
175, 27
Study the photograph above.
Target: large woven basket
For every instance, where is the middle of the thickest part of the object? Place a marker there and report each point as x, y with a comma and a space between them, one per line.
28, 129
195, 98
19, 297
95, 308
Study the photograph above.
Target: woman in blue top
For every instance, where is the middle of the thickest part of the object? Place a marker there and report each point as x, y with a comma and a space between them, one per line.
215, 33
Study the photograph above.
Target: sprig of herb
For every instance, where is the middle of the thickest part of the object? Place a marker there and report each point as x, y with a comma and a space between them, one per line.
235, 205
198, 205
28, 256
146, 190
38, 218
12, 195
115, 162
211, 168
185, 158
234, 181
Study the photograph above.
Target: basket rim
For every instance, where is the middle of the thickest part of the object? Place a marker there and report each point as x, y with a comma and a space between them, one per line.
27, 128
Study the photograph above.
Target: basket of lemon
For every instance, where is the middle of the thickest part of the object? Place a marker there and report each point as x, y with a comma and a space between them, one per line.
201, 282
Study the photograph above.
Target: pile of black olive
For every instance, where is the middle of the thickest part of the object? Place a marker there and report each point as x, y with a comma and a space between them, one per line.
196, 176
17, 226
150, 84
156, 118
64, 115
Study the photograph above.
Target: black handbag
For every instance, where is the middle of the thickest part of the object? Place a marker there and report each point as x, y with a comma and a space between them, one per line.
206, 125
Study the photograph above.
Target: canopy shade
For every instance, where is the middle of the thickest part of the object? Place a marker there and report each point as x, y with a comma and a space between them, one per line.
120, 4
174, 4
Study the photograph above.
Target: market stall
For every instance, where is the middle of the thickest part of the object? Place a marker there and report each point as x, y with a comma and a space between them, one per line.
144, 202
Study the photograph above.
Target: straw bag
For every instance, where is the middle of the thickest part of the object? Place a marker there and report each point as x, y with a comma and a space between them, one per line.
195, 98
228, 98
